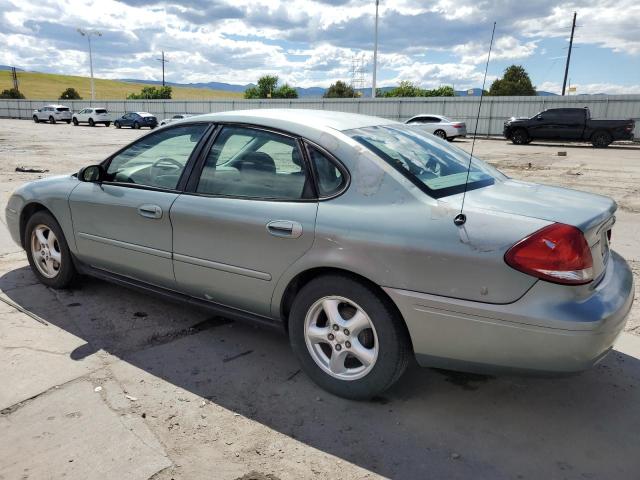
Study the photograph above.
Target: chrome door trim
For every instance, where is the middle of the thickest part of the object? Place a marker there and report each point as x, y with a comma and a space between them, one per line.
126, 245
201, 262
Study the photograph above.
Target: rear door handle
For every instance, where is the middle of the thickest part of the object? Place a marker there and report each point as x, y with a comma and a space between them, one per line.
284, 228
150, 211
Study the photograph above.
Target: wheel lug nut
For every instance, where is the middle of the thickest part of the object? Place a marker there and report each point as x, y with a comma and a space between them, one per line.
336, 327
347, 344
346, 331
331, 336
338, 347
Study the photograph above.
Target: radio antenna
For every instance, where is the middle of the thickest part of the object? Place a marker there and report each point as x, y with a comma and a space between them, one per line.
461, 218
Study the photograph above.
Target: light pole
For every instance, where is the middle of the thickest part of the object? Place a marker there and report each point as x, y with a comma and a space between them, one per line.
88, 33
375, 54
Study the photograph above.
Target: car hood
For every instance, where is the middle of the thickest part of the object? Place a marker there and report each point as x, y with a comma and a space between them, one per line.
554, 204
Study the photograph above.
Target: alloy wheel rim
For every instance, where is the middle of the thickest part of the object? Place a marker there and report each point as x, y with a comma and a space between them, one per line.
45, 250
341, 338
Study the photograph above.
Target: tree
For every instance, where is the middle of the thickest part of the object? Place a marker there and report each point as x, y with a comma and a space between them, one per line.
340, 89
515, 81
267, 87
12, 93
152, 93
408, 89
70, 94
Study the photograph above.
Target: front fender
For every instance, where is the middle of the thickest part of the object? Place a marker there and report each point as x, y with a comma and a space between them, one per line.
51, 193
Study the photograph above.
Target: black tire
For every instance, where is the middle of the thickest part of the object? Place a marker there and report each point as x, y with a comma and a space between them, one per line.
520, 137
136, 125
68, 121
106, 124
440, 133
75, 121
394, 346
52, 120
601, 139
66, 270
92, 123
117, 124
35, 119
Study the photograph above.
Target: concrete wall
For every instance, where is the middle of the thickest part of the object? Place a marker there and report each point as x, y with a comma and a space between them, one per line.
493, 113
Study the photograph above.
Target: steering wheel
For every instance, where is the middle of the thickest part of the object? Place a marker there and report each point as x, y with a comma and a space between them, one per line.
164, 162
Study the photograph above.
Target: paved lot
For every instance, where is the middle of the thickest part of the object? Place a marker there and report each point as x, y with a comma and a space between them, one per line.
115, 384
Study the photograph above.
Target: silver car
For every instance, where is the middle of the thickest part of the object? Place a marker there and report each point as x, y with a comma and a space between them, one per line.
175, 118
52, 114
339, 229
440, 126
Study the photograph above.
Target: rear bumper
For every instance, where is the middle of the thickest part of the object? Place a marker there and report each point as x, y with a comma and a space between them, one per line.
549, 329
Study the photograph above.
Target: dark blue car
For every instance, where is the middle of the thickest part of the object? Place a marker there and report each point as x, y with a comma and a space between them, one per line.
136, 120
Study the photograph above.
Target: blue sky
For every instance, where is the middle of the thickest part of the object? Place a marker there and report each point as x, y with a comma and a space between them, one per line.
313, 42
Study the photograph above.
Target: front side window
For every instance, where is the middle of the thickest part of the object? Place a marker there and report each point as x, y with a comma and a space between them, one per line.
157, 160
434, 165
246, 162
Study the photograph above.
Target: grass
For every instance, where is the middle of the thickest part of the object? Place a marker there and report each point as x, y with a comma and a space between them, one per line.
48, 86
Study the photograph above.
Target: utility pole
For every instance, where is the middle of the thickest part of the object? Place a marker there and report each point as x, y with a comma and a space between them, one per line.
88, 33
14, 76
375, 55
566, 69
163, 62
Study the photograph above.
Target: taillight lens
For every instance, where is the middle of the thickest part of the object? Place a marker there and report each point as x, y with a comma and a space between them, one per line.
558, 253
457, 125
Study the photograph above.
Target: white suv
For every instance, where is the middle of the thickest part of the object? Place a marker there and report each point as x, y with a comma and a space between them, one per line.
92, 116
52, 114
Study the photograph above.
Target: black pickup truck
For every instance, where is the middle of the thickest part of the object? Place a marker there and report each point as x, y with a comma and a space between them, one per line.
568, 125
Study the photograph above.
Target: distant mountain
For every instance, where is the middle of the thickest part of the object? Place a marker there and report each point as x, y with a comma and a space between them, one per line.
309, 92
8, 67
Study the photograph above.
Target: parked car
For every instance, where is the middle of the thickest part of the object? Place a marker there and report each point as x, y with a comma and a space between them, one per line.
92, 116
568, 125
338, 229
440, 126
178, 116
137, 120
52, 114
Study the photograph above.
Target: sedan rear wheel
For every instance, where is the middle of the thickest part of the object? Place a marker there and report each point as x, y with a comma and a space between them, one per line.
348, 339
440, 133
48, 252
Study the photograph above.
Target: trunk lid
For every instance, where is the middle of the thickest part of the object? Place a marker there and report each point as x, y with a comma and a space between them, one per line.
591, 213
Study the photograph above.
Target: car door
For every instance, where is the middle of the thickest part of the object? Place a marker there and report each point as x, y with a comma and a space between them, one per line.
248, 214
125, 121
122, 224
546, 125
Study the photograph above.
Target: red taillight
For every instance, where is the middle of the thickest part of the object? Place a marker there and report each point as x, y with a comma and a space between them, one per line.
457, 125
558, 253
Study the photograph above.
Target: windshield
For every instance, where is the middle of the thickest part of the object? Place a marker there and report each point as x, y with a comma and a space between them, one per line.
435, 166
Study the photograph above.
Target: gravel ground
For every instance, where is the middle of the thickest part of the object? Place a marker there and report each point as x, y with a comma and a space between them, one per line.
103, 382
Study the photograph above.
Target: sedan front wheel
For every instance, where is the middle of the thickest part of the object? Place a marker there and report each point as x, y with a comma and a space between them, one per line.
48, 252
349, 340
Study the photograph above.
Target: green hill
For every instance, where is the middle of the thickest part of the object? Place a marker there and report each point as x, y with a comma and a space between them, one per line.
48, 86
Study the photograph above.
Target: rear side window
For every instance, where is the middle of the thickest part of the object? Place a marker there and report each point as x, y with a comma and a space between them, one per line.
252, 163
329, 176
62, 109
100, 110
425, 120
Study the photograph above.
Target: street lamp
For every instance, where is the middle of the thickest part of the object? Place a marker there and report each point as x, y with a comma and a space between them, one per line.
375, 54
88, 33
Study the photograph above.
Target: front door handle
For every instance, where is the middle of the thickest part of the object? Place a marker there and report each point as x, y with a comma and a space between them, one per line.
284, 228
150, 211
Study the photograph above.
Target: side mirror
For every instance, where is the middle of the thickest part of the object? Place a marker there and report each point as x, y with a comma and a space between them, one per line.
92, 173
539, 117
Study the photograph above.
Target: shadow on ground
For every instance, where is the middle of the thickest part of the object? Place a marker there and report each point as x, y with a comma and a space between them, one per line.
431, 423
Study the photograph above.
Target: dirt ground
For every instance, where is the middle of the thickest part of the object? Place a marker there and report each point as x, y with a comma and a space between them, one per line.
103, 382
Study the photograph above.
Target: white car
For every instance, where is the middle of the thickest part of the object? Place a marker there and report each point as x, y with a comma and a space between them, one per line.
440, 126
92, 116
178, 116
52, 114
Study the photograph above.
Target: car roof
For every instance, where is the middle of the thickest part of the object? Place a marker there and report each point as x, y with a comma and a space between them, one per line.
56, 106
296, 120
